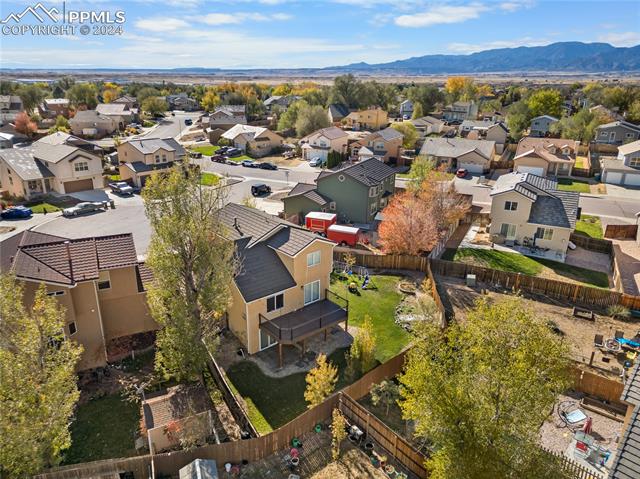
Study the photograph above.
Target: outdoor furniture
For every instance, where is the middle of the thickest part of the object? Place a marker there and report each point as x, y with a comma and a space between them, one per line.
584, 313
628, 343
618, 334
598, 341
612, 345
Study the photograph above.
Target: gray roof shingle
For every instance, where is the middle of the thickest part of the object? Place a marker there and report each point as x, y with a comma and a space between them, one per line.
627, 461
151, 145
370, 172
24, 163
455, 147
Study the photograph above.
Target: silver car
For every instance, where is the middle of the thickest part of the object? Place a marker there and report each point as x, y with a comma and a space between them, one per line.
83, 208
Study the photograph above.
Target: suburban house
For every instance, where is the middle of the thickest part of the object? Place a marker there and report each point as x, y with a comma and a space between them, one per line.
120, 112
6, 140
372, 119
530, 213
545, 156
226, 116
181, 101
280, 101
51, 108
385, 145
625, 169
355, 193
617, 133
473, 155
406, 109
460, 111
428, 125
605, 112
92, 124
130, 101
539, 125
626, 463
10, 106
486, 130
337, 112
99, 281
254, 140
140, 158
58, 163
319, 143
281, 295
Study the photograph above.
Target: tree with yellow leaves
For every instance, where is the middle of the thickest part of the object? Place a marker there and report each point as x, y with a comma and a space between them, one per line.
321, 381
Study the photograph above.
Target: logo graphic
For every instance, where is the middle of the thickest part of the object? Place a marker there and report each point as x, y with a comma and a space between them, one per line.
33, 10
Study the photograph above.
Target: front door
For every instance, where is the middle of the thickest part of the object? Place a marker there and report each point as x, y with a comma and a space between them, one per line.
612, 137
508, 231
266, 341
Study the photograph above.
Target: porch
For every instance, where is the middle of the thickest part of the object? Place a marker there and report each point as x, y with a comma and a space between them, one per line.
297, 326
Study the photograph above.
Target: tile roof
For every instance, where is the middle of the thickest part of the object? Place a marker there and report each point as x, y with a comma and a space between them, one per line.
66, 261
24, 163
310, 192
179, 402
626, 464
631, 391
455, 147
369, 172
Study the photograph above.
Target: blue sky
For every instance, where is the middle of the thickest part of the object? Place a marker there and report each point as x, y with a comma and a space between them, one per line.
314, 33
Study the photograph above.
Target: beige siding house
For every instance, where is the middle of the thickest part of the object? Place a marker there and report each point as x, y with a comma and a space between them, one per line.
91, 124
545, 156
385, 145
319, 143
58, 163
143, 157
473, 155
529, 213
372, 119
281, 294
253, 140
98, 281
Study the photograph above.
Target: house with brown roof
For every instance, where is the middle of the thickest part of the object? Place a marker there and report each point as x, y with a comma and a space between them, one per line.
545, 156
319, 143
384, 145
91, 124
51, 108
256, 141
139, 158
98, 281
371, 119
225, 117
281, 294
60, 163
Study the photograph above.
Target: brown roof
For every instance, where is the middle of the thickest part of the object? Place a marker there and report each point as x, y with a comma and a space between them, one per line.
541, 147
179, 402
54, 259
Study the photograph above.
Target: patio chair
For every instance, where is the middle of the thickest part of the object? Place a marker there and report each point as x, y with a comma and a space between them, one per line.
598, 341
618, 334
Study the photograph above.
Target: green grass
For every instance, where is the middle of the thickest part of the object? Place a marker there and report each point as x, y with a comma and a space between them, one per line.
148, 123
570, 184
273, 402
40, 207
580, 162
590, 226
517, 263
209, 179
103, 428
206, 150
115, 177
240, 158
380, 305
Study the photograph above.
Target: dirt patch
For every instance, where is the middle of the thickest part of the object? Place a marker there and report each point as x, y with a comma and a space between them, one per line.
281, 161
352, 464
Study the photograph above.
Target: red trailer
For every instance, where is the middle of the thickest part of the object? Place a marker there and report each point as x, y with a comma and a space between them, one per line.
341, 234
319, 222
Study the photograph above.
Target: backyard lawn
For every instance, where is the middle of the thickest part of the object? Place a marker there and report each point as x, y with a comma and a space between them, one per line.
40, 208
209, 179
571, 184
103, 428
517, 263
589, 226
206, 150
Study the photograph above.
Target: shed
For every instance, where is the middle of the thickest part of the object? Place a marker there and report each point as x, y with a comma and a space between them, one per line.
200, 469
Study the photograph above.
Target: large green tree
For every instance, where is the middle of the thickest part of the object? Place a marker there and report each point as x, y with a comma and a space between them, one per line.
427, 96
310, 119
409, 133
479, 391
31, 95
154, 105
581, 126
193, 266
545, 102
38, 389
83, 94
346, 90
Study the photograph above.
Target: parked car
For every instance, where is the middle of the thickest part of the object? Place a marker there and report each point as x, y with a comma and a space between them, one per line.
195, 154
317, 161
188, 122
219, 158
462, 173
83, 208
122, 188
173, 113
249, 163
260, 189
16, 212
233, 152
222, 150
289, 154
267, 166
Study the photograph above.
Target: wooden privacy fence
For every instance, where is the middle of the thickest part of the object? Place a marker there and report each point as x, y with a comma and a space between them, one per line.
571, 292
621, 231
576, 470
582, 172
592, 244
380, 433
595, 385
387, 261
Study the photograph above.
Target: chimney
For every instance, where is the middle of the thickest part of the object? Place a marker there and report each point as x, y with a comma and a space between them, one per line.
68, 250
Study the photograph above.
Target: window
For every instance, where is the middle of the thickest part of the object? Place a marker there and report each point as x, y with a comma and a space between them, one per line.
372, 192
634, 162
55, 293
157, 158
72, 328
164, 158
266, 341
629, 135
33, 185
544, 233
508, 231
311, 292
373, 207
313, 258
510, 205
81, 166
104, 280
332, 206
275, 302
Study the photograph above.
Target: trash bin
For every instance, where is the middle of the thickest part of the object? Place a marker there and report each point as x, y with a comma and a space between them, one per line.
112, 204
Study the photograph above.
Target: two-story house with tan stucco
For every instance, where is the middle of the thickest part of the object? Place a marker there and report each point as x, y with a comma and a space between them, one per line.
281, 295
59, 162
142, 157
319, 143
545, 156
372, 119
384, 145
98, 281
256, 141
529, 213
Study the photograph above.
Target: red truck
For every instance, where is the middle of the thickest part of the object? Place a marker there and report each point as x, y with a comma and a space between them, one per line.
319, 222
343, 235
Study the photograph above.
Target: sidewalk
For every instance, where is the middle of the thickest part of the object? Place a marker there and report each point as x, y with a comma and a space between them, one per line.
628, 259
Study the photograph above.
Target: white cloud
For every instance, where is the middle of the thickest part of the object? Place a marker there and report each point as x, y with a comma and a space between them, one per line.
161, 24
442, 15
514, 5
239, 17
621, 39
466, 48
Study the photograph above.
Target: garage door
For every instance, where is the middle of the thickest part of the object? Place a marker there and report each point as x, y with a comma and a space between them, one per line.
632, 179
78, 185
536, 170
471, 167
613, 178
